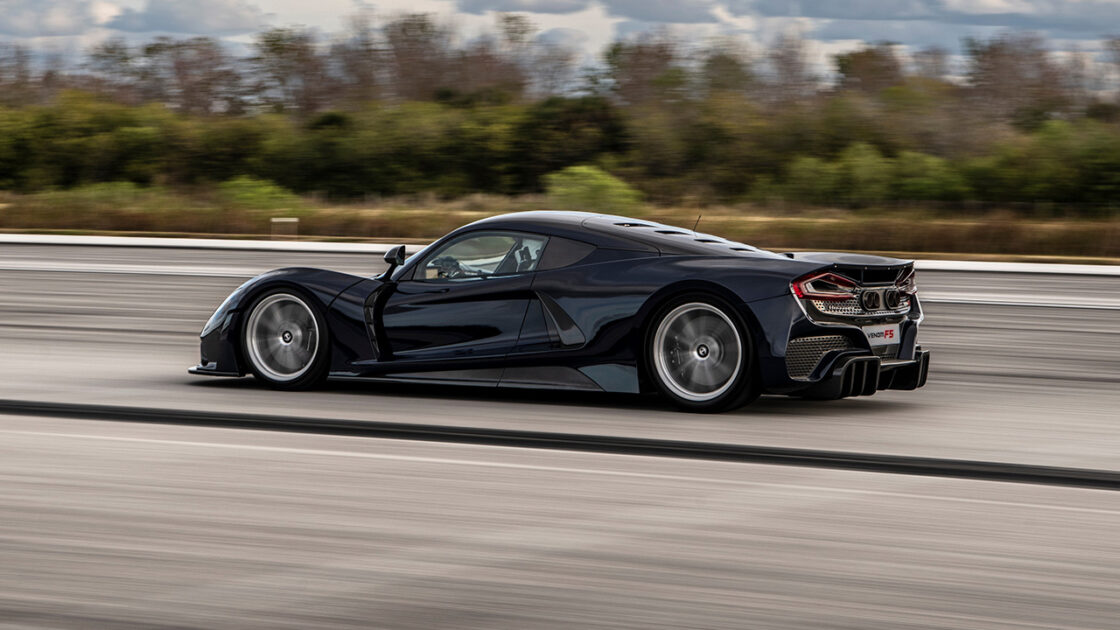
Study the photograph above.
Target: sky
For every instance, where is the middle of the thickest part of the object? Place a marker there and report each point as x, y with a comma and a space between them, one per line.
832, 26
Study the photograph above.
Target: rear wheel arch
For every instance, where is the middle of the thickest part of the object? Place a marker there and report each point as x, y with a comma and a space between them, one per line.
680, 293
655, 302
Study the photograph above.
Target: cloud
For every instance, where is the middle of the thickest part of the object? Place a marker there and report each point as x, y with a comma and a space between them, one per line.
664, 11
846, 10
1074, 16
915, 33
563, 37
1077, 18
659, 11
191, 16
479, 7
38, 18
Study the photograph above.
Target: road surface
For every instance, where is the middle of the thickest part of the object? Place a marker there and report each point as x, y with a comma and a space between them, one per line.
147, 525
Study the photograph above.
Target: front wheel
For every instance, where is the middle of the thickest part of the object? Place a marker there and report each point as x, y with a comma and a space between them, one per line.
700, 355
285, 341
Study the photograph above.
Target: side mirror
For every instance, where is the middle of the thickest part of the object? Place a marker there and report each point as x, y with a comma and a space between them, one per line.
395, 257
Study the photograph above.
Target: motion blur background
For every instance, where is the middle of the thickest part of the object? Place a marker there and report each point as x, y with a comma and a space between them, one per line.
807, 125
932, 129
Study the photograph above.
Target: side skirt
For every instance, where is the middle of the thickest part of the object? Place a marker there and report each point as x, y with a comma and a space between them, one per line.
595, 378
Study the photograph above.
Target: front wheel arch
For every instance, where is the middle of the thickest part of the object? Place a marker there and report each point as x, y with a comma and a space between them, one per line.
317, 372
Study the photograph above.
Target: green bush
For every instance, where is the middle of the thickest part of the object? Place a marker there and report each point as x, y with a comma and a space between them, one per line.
721, 148
259, 194
812, 180
921, 177
589, 188
865, 175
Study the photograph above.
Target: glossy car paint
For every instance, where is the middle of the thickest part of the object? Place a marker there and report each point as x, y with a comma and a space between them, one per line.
581, 326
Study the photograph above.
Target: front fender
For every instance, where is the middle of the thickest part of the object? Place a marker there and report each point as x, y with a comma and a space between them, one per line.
220, 341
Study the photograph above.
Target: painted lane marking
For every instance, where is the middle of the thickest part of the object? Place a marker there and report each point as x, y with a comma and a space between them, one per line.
117, 268
1024, 300
561, 469
381, 248
196, 243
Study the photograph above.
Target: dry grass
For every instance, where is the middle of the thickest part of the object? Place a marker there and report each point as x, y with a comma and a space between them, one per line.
420, 219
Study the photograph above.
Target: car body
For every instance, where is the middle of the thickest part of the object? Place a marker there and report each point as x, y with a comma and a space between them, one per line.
585, 301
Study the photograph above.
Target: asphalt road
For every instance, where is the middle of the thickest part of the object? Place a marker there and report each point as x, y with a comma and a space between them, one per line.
1028, 384
123, 526
127, 525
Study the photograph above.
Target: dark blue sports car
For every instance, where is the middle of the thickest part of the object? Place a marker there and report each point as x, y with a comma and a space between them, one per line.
583, 301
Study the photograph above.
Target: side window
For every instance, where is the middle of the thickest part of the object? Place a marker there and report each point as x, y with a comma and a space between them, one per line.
562, 252
485, 255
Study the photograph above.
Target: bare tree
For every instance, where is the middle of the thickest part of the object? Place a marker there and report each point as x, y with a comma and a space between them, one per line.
791, 79
420, 56
545, 68
870, 69
484, 71
646, 69
358, 60
1112, 48
1077, 78
194, 76
726, 67
54, 77
1013, 79
112, 66
292, 71
552, 70
931, 63
16, 79
517, 32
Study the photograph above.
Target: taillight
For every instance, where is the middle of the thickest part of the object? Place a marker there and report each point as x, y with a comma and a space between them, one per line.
824, 286
909, 284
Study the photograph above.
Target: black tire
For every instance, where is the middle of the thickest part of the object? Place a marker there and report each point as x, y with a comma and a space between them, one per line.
699, 353
284, 340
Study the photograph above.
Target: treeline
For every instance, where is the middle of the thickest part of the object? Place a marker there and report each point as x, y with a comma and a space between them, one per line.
407, 107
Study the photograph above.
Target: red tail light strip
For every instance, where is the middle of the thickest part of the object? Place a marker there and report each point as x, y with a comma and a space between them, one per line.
824, 286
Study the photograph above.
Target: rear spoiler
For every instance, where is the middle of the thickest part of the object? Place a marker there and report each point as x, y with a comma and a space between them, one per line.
862, 268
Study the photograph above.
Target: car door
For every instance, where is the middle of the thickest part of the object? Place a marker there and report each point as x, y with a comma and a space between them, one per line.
466, 299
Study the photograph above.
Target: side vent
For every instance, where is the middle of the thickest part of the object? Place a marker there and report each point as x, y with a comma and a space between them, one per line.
561, 323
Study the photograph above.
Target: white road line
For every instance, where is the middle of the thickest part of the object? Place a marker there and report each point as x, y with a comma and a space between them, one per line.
197, 243
204, 271
1014, 267
1047, 301
562, 469
146, 269
381, 248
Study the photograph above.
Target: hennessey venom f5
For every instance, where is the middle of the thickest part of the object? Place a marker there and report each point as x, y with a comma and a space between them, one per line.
585, 302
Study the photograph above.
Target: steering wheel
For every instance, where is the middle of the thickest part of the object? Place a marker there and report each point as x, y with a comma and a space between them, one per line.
448, 267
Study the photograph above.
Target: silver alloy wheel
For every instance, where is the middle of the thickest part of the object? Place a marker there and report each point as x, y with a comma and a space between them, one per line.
697, 351
282, 337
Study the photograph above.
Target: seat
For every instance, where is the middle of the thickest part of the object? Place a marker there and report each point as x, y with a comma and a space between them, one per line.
527, 261
509, 265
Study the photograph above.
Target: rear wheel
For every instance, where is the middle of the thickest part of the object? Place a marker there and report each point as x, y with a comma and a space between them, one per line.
700, 356
285, 341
